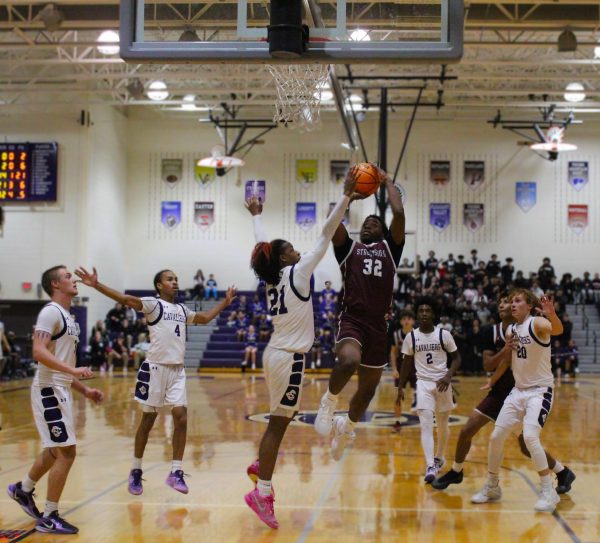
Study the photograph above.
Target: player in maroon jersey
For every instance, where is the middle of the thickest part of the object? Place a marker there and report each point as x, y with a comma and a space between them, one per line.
495, 349
368, 269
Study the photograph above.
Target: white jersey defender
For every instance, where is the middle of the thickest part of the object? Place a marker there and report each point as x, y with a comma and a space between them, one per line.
531, 364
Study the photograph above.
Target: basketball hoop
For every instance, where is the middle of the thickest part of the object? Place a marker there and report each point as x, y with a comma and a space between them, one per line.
220, 160
554, 141
299, 87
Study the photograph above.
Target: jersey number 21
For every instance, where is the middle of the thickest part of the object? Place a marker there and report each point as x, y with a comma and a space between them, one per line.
276, 301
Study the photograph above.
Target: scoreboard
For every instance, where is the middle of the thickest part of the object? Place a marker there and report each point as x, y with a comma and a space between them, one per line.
28, 172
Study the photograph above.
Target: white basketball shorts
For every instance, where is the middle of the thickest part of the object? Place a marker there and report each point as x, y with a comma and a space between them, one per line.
52, 408
284, 374
529, 406
160, 385
429, 397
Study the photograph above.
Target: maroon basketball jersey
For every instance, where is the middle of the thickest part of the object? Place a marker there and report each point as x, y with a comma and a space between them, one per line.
368, 279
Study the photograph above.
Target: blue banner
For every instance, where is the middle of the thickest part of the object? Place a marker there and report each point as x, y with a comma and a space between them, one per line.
526, 194
439, 216
170, 214
578, 174
306, 214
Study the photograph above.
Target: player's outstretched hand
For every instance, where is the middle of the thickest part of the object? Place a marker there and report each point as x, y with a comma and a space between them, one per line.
82, 373
444, 382
350, 181
547, 302
487, 386
254, 206
231, 294
87, 278
97, 396
383, 175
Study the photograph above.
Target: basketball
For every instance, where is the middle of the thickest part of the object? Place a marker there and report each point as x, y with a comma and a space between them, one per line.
367, 179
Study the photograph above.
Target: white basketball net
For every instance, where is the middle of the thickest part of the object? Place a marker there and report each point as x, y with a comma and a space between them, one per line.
299, 86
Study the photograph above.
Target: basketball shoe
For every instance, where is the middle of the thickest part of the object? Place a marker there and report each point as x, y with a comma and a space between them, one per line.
263, 506
450, 478
439, 463
324, 419
24, 499
488, 494
252, 471
547, 501
430, 473
176, 481
340, 438
564, 480
134, 485
54, 524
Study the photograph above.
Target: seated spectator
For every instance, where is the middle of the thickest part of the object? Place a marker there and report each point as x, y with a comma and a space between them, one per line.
431, 264
243, 304
556, 358
479, 297
98, 350
128, 330
257, 308
118, 352
250, 349
483, 313
470, 292
445, 323
265, 328
140, 350
241, 325
565, 337
507, 271
141, 330
535, 288
570, 359
197, 292
327, 298
492, 268
114, 318
545, 273
211, 288
460, 268
100, 326
323, 347
449, 263
479, 273
520, 280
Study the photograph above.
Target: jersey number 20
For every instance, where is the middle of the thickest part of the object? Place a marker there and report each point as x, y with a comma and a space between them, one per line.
372, 267
277, 302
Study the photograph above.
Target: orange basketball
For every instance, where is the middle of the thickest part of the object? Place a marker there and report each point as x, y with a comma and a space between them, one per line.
367, 179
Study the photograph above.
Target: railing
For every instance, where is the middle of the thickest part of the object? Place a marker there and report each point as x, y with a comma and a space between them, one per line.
586, 325
595, 342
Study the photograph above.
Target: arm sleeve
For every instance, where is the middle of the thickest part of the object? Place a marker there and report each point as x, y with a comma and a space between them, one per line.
449, 341
259, 229
150, 307
342, 252
407, 346
304, 269
395, 249
49, 320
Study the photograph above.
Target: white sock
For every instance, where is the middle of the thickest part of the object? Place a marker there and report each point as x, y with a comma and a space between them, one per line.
558, 467
493, 479
443, 430
457, 466
137, 463
28, 484
50, 508
176, 465
264, 488
546, 481
333, 398
348, 427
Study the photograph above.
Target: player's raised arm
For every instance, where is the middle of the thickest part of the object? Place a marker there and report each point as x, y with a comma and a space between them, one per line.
91, 280
397, 228
207, 316
340, 236
549, 324
255, 207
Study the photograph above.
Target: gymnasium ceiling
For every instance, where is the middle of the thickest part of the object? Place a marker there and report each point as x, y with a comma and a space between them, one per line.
510, 58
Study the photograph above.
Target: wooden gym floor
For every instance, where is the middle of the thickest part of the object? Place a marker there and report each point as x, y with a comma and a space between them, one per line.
374, 494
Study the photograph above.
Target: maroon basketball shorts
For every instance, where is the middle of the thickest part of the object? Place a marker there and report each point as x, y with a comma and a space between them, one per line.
490, 406
412, 377
372, 340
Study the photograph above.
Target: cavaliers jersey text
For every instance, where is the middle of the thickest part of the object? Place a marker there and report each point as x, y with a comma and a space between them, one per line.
429, 351
531, 364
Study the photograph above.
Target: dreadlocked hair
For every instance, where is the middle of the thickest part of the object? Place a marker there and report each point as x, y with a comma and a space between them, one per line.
428, 300
265, 260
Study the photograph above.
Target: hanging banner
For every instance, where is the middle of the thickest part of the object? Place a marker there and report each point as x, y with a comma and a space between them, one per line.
439, 216
577, 217
578, 174
338, 170
526, 194
474, 173
256, 188
204, 175
307, 172
204, 214
345, 219
171, 170
439, 172
473, 217
170, 214
306, 214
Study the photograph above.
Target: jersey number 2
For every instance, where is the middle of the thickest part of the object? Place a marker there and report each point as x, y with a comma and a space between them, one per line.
372, 267
429, 358
277, 302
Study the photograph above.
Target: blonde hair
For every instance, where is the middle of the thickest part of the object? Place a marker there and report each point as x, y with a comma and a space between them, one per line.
528, 295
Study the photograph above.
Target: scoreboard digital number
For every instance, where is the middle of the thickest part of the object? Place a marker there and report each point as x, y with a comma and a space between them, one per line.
28, 172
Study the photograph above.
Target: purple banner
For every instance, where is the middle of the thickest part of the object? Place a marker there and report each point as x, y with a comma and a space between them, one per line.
439, 216
526, 194
306, 214
170, 214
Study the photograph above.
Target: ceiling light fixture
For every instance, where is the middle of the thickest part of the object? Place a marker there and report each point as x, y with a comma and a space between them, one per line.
189, 35
108, 43
157, 91
567, 42
574, 92
52, 17
136, 89
360, 35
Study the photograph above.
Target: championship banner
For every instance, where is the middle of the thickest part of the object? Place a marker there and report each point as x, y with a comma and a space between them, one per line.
439, 216
474, 173
170, 214
577, 217
204, 175
256, 188
306, 214
578, 174
473, 217
526, 194
307, 172
345, 219
439, 172
338, 170
171, 170
204, 214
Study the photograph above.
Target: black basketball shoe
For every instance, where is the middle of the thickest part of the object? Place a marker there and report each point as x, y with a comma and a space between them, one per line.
450, 478
564, 480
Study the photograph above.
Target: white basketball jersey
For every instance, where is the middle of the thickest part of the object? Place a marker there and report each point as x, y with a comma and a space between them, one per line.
167, 325
430, 352
65, 337
292, 314
531, 365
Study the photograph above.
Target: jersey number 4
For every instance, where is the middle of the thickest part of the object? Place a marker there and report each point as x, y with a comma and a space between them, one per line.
277, 302
177, 333
372, 267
